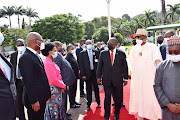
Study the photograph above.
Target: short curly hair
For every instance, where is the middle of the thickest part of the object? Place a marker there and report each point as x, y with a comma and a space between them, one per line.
48, 47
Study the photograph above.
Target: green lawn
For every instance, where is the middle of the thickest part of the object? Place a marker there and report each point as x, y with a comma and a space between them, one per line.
128, 46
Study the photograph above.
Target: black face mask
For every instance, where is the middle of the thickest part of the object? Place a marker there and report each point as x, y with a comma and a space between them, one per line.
134, 43
159, 41
110, 47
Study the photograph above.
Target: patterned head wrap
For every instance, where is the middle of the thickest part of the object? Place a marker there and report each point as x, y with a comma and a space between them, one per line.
174, 40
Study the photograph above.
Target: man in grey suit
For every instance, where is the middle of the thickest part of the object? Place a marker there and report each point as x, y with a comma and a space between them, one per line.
67, 73
7, 90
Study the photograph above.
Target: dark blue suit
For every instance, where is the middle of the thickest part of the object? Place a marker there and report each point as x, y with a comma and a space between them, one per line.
78, 51
163, 51
67, 74
7, 94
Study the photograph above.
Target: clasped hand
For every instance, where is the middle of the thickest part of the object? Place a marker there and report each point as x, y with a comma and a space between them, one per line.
174, 108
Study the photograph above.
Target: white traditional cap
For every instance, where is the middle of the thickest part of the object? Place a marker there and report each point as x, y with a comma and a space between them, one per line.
174, 40
141, 31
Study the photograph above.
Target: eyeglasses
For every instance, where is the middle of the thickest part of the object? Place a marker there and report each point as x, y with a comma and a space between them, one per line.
139, 36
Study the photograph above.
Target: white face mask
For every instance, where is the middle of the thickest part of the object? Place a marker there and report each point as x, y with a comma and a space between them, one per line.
1, 38
106, 48
55, 55
89, 47
83, 46
139, 42
72, 51
42, 47
21, 48
165, 40
174, 58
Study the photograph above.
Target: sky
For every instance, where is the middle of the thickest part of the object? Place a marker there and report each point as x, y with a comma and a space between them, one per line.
87, 8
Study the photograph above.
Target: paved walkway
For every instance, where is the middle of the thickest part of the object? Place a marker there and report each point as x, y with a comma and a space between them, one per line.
77, 113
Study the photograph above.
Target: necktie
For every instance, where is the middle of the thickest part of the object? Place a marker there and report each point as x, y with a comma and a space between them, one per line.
39, 57
3, 70
91, 59
112, 57
18, 74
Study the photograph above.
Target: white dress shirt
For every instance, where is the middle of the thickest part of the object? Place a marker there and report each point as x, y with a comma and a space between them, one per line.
6, 68
17, 67
32, 50
90, 54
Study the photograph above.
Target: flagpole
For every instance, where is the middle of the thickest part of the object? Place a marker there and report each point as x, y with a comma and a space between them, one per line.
109, 18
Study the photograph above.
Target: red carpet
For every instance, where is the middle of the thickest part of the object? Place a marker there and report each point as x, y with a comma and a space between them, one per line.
98, 113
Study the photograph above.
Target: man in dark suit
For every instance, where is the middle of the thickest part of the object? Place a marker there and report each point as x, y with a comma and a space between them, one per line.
88, 65
20, 45
73, 88
7, 90
162, 48
34, 77
112, 67
67, 73
78, 51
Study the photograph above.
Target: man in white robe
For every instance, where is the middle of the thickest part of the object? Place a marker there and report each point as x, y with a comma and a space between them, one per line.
143, 60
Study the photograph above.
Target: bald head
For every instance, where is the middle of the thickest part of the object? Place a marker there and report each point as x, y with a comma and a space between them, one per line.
34, 40
168, 34
112, 43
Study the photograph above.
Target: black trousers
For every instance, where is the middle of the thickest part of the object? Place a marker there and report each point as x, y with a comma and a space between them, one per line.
89, 83
117, 96
19, 87
81, 86
32, 115
72, 93
64, 99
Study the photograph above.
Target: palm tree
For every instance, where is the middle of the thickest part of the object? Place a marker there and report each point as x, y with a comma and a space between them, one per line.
31, 14
173, 10
163, 11
18, 11
8, 11
149, 18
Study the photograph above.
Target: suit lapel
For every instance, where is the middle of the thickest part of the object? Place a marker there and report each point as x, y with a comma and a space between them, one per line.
109, 58
116, 56
9, 64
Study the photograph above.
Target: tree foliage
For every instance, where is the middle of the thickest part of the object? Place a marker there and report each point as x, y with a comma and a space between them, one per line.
89, 30
65, 28
101, 35
119, 38
11, 35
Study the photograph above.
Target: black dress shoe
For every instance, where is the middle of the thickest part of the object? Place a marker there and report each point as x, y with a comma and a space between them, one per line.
113, 103
123, 105
74, 106
99, 105
88, 108
77, 103
116, 118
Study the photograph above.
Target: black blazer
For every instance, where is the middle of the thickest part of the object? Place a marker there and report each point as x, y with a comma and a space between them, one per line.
13, 61
7, 91
67, 73
85, 63
34, 77
78, 51
163, 51
112, 75
70, 58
